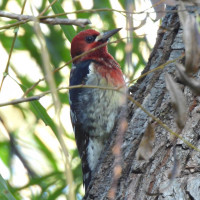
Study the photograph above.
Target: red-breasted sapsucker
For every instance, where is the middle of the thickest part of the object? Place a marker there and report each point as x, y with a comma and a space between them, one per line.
94, 111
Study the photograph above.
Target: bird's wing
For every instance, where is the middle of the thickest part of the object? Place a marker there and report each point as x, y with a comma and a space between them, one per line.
78, 76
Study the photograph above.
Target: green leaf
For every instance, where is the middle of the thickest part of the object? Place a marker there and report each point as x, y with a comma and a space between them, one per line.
35, 106
41, 113
4, 192
3, 5
68, 30
5, 152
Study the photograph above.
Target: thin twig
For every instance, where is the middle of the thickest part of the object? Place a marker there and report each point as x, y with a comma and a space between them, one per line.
11, 50
162, 124
94, 11
51, 4
129, 43
155, 69
37, 97
23, 100
13, 25
111, 10
31, 88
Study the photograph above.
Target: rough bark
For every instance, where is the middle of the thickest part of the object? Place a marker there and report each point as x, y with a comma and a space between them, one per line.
140, 178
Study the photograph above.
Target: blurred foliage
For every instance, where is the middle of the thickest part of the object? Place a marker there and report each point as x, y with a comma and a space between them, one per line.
27, 146
4, 192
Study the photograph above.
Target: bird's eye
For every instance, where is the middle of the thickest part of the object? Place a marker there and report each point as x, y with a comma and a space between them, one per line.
90, 39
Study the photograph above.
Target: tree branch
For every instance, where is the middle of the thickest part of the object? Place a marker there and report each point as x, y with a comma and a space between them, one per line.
52, 21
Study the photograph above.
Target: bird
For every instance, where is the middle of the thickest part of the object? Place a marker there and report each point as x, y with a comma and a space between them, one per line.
94, 111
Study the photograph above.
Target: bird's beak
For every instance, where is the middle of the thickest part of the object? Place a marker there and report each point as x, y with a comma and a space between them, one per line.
103, 37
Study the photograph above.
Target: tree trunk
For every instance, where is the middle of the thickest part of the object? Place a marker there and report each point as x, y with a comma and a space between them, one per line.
150, 179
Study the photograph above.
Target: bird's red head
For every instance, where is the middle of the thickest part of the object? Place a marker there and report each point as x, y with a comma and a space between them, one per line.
90, 39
